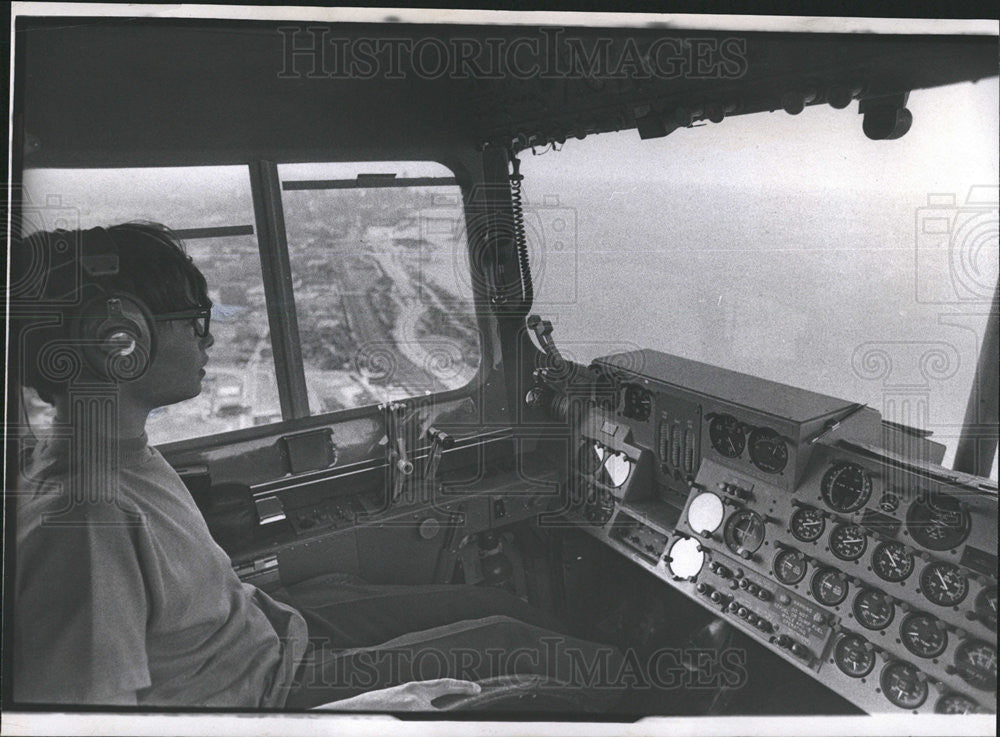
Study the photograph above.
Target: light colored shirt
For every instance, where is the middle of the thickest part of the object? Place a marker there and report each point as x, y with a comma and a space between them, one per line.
129, 600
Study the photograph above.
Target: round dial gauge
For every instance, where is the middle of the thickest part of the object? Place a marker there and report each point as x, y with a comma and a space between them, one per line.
789, 567
638, 403
590, 457
944, 584
976, 663
873, 609
726, 434
937, 522
903, 685
986, 607
744, 532
768, 450
686, 558
829, 587
854, 656
891, 561
923, 635
954, 703
705, 512
807, 524
848, 542
618, 467
846, 487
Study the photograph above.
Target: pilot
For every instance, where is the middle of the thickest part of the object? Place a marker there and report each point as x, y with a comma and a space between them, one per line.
122, 596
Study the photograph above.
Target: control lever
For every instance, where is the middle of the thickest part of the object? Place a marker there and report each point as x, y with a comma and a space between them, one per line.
400, 466
543, 332
440, 442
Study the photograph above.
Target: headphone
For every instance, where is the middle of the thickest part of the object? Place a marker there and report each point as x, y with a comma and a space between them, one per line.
115, 331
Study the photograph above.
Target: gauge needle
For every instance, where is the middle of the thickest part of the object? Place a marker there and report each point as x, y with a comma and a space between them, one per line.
940, 576
810, 523
851, 540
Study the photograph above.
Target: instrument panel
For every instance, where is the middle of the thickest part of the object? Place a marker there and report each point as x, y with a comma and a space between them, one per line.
786, 514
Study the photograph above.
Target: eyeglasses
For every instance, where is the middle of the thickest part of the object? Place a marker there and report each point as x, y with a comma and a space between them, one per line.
200, 317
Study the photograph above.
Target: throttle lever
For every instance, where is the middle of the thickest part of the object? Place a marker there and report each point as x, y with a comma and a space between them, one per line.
543, 331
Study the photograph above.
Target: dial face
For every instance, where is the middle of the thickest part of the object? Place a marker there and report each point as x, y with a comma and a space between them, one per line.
873, 609
705, 512
891, 561
726, 434
789, 567
638, 403
807, 524
848, 542
846, 487
618, 466
954, 703
986, 607
590, 457
768, 450
854, 656
976, 663
829, 587
902, 685
937, 522
923, 635
744, 532
944, 584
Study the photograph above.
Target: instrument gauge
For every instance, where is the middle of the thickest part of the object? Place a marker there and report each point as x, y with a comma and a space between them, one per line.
789, 567
744, 532
846, 487
848, 542
891, 561
854, 656
618, 466
976, 663
986, 607
904, 685
938, 522
768, 450
829, 587
873, 609
944, 584
638, 403
705, 512
807, 524
726, 434
923, 635
954, 703
590, 457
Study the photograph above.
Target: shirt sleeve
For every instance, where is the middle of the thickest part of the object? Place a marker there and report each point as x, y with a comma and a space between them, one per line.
81, 608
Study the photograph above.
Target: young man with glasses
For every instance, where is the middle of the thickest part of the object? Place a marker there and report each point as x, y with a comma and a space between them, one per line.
122, 597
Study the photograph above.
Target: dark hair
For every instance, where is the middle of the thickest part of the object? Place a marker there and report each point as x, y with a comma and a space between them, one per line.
48, 280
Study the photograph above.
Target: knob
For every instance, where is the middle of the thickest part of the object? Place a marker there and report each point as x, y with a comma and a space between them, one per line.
784, 641
744, 583
799, 650
746, 555
701, 588
742, 612
716, 597
784, 599
764, 625
753, 588
764, 595
732, 606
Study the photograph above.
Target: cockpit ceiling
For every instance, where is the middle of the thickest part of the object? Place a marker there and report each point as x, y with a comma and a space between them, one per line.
113, 92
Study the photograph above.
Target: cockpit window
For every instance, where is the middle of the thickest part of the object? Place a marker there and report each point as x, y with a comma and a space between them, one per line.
787, 247
380, 276
211, 209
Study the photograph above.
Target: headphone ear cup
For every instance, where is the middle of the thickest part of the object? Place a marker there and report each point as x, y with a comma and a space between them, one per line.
117, 337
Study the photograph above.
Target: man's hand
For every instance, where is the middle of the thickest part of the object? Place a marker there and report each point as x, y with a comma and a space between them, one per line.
414, 696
